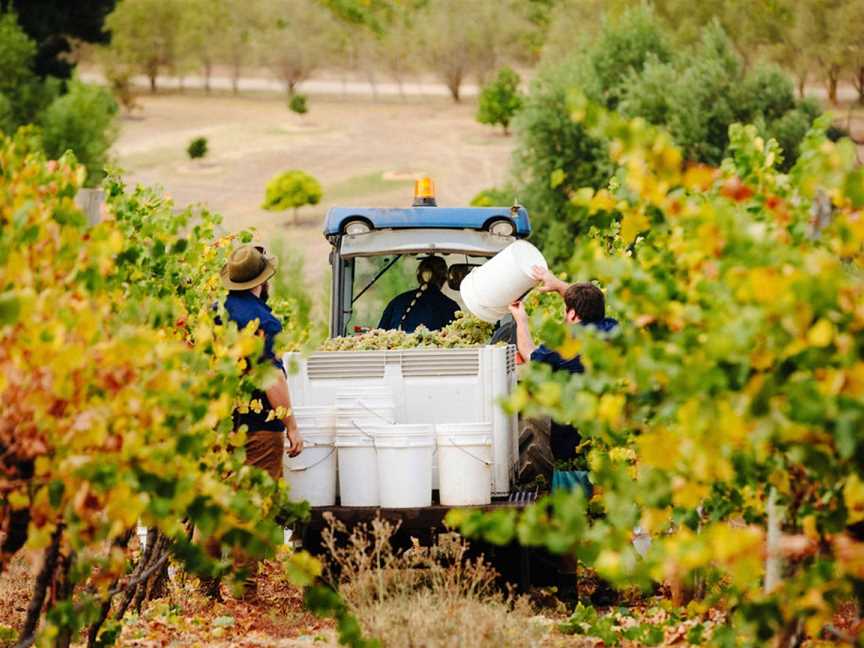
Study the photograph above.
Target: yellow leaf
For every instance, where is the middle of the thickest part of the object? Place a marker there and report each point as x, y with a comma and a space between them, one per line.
853, 496
611, 408
18, 500
549, 394
821, 333
602, 201
570, 348
633, 223
689, 494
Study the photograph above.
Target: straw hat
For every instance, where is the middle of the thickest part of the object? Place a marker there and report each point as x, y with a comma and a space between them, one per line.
247, 267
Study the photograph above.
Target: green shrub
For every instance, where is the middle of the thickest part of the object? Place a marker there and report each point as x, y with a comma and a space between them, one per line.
7, 115
26, 94
552, 144
500, 100
695, 93
299, 104
495, 197
624, 48
292, 190
81, 121
197, 148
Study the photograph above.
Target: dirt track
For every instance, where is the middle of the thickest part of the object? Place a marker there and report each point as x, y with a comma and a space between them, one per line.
352, 146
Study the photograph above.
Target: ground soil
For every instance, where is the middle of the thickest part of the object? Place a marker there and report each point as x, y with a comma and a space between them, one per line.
363, 152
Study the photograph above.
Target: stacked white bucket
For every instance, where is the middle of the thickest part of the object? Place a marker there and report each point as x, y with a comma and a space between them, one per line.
384, 463
490, 288
464, 463
312, 474
358, 411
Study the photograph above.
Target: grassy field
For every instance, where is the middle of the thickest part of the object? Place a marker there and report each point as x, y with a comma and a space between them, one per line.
363, 152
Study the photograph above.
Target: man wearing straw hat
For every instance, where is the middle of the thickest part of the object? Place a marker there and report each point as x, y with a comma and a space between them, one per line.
246, 276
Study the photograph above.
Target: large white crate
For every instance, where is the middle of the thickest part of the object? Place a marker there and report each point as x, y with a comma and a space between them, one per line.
429, 385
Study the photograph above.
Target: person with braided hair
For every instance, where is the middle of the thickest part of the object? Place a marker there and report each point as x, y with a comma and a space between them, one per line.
426, 305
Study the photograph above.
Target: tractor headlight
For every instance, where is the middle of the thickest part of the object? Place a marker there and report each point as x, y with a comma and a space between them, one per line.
502, 228
357, 227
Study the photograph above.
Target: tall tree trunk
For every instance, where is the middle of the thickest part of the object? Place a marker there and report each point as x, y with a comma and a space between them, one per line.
370, 76
152, 78
858, 82
454, 83
832, 85
802, 84
208, 72
235, 77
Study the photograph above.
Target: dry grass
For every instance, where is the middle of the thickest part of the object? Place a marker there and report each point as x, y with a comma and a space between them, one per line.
426, 596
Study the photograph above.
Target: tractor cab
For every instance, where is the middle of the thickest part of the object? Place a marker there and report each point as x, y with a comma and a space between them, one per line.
376, 251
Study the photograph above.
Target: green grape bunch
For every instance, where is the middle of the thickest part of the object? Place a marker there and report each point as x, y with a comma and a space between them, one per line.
463, 332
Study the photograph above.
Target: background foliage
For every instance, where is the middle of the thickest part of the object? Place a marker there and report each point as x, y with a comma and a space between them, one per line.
724, 408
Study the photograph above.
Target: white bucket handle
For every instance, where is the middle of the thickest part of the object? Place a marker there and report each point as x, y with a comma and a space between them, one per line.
320, 461
369, 409
364, 432
470, 454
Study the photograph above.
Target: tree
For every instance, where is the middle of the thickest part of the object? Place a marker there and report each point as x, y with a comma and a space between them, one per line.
500, 100
458, 39
197, 148
18, 82
146, 33
52, 24
848, 32
298, 40
81, 121
292, 190
236, 37
395, 50
299, 104
696, 92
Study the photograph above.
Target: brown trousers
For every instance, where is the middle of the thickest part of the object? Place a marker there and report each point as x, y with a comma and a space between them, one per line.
264, 449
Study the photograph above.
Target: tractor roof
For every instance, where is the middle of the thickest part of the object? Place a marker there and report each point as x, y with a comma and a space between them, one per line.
471, 218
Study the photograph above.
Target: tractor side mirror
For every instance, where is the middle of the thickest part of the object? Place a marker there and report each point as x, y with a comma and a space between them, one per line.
457, 272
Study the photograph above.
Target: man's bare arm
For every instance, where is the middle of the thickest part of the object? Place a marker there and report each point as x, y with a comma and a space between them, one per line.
278, 396
524, 342
549, 282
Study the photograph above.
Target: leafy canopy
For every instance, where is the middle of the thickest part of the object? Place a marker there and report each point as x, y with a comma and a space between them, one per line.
291, 190
734, 379
500, 100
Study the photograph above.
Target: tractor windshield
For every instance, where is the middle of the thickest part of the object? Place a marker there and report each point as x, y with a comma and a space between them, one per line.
378, 279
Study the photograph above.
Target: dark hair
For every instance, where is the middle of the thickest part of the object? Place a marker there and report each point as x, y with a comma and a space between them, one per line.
587, 300
435, 269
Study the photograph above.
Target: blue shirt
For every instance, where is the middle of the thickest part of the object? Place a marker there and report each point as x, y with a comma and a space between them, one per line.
574, 365
565, 438
433, 309
244, 307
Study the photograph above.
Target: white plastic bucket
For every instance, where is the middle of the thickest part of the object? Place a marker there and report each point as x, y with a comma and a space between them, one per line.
404, 455
358, 468
312, 475
373, 405
473, 302
464, 463
501, 280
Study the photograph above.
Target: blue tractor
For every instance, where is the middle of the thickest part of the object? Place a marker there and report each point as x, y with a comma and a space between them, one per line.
384, 238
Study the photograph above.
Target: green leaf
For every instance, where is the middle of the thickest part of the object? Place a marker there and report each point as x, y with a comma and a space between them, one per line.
10, 308
556, 178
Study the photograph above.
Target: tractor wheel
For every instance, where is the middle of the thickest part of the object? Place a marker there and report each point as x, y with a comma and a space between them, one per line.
535, 450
